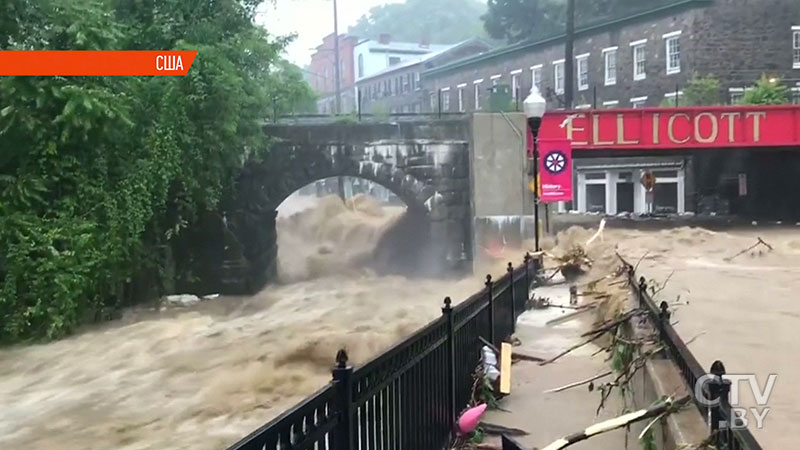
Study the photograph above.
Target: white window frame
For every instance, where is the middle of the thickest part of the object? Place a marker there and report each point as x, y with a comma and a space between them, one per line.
675, 36
735, 92
610, 75
417, 81
434, 101
581, 65
795, 92
446, 99
584, 106
639, 48
460, 88
536, 72
796, 47
638, 100
671, 95
558, 74
494, 79
610, 103
515, 86
476, 87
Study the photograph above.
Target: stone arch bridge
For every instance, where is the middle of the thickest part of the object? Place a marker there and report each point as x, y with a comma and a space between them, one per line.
426, 164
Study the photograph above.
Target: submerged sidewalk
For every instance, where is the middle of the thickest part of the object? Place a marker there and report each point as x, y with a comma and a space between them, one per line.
548, 417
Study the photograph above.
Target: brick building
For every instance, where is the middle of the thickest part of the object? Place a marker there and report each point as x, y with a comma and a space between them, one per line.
323, 73
398, 87
638, 60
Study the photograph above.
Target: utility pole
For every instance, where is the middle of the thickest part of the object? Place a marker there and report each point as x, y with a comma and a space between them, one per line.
569, 60
337, 75
337, 81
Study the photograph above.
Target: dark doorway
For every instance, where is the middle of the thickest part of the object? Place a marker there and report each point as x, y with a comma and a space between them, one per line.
665, 198
596, 198
624, 197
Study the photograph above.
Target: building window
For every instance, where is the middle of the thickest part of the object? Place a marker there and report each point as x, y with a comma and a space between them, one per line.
446, 99
515, 85
495, 79
638, 102
407, 82
536, 77
417, 83
477, 88
583, 71
558, 76
461, 96
673, 98
610, 58
736, 95
673, 47
611, 104
394, 60
639, 72
796, 46
360, 66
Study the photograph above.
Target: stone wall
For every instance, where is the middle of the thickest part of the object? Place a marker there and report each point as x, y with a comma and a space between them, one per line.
735, 40
425, 164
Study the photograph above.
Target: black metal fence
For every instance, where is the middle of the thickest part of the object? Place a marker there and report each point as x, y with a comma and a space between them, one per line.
728, 433
408, 397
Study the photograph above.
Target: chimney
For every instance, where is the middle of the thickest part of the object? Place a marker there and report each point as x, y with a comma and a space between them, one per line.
385, 38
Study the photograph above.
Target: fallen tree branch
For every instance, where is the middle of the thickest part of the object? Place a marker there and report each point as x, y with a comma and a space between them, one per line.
669, 406
579, 383
493, 429
599, 233
760, 242
524, 357
574, 347
614, 323
655, 291
636, 267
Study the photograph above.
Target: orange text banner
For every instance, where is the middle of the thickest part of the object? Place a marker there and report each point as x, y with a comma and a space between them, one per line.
96, 63
676, 128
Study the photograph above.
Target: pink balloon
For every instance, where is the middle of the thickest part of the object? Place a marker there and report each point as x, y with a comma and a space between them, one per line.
470, 419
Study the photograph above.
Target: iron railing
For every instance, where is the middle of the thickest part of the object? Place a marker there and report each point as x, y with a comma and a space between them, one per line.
722, 423
409, 396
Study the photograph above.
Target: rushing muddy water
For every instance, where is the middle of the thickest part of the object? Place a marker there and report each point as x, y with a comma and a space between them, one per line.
745, 309
205, 376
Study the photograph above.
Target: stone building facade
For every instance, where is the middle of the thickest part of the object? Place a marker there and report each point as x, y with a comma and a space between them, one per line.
398, 89
641, 60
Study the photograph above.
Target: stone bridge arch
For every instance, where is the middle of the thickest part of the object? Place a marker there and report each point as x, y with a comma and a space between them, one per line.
424, 164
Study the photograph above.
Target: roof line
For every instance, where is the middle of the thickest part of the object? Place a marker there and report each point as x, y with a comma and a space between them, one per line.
553, 39
424, 59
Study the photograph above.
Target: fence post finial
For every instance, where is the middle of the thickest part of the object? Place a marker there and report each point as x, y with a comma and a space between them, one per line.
665, 312
342, 435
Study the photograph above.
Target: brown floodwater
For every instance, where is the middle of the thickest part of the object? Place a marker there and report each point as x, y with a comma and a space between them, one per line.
202, 377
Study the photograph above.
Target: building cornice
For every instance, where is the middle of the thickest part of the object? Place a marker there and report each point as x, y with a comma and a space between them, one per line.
588, 30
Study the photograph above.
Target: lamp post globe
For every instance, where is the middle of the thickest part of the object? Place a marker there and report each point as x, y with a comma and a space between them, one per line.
534, 107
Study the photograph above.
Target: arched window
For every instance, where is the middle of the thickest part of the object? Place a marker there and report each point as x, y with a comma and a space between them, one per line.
360, 66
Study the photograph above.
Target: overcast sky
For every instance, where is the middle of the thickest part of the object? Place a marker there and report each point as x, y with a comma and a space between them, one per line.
311, 20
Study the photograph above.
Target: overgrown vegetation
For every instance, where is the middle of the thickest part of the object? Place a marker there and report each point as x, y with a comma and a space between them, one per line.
767, 91
702, 91
99, 176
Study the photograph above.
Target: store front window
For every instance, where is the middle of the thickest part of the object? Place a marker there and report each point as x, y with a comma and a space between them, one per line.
618, 190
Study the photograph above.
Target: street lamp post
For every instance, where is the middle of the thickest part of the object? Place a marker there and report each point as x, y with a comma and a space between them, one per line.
534, 107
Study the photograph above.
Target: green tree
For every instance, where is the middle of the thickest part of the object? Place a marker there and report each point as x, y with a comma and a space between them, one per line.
767, 91
102, 177
441, 21
702, 91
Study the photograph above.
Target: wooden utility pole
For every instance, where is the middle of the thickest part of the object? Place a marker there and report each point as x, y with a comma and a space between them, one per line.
569, 60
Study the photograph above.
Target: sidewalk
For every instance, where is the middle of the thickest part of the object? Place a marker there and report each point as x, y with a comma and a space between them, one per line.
547, 417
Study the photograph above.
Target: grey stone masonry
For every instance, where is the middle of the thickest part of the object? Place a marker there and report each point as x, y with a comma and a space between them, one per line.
426, 164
